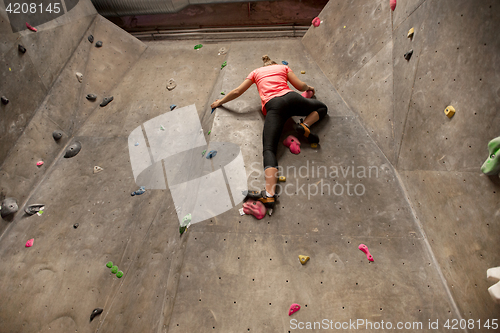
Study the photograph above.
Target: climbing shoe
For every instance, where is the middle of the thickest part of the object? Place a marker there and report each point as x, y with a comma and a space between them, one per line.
304, 130
269, 202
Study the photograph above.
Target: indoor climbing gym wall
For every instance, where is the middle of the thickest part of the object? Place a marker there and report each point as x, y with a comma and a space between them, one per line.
122, 190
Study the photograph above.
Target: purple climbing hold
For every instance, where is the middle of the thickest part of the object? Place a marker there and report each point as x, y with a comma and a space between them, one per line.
106, 101
96, 312
4, 100
21, 48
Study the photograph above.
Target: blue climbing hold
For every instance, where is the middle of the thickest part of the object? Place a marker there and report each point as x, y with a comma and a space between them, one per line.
136, 144
172, 107
140, 191
213, 110
211, 154
285, 63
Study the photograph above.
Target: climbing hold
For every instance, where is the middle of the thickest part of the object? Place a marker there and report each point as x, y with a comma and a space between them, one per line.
109, 264
222, 51
182, 230
211, 154
96, 312
21, 48
393, 4
364, 248
203, 153
293, 308
316, 22
140, 191
198, 46
91, 38
307, 94
30, 242
33, 209
303, 259
40, 212
119, 274
493, 275
76, 225
411, 32
172, 107
492, 165
57, 135
209, 132
9, 206
282, 178
4, 100
39, 163
106, 101
212, 110
284, 62
73, 149
224, 64
136, 144
449, 111
98, 44
255, 208
162, 128
186, 221
171, 84
222, 93
408, 55
79, 76
30, 27
114, 269
91, 97
97, 169
302, 72
293, 144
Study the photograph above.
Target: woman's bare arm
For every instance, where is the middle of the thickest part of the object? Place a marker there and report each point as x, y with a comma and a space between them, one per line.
235, 93
298, 84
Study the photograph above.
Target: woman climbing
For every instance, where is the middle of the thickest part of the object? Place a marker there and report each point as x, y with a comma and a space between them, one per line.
279, 103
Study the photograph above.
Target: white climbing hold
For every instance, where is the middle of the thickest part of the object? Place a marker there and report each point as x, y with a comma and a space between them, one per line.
493, 274
79, 76
97, 169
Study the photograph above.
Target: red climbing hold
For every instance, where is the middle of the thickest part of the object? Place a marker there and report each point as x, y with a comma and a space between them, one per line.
293, 308
307, 94
30, 242
393, 4
30, 27
293, 143
255, 208
364, 248
316, 21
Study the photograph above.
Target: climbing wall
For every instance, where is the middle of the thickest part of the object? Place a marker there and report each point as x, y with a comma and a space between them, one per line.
401, 103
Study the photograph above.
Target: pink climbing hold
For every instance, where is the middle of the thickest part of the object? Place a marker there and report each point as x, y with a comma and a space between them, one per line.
293, 143
364, 248
39, 163
30, 27
293, 308
30, 242
393, 4
307, 94
316, 21
255, 208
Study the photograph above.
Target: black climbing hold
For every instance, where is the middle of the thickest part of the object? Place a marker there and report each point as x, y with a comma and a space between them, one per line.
106, 101
21, 48
75, 225
98, 44
408, 55
57, 135
73, 149
91, 38
96, 312
9, 206
33, 209
91, 97
5, 100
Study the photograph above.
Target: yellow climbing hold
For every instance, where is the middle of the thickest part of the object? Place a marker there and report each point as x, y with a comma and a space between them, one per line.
303, 259
449, 111
314, 145
302, 72
344, 26
410, 33
282, 179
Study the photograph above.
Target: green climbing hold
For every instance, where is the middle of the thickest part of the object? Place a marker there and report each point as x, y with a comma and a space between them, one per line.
186, 220
109, 264
199, 46
209, 132
224, 64
182, 229
203, 153
119, 274
114, 269
222, 93
492, 165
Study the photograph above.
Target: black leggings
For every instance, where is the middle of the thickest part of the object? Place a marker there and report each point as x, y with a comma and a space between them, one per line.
279, 109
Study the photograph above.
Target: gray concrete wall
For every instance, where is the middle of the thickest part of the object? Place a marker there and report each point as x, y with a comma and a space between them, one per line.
401, 103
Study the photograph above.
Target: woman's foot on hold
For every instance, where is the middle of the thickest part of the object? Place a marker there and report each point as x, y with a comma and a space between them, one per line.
303, 129
268, 201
